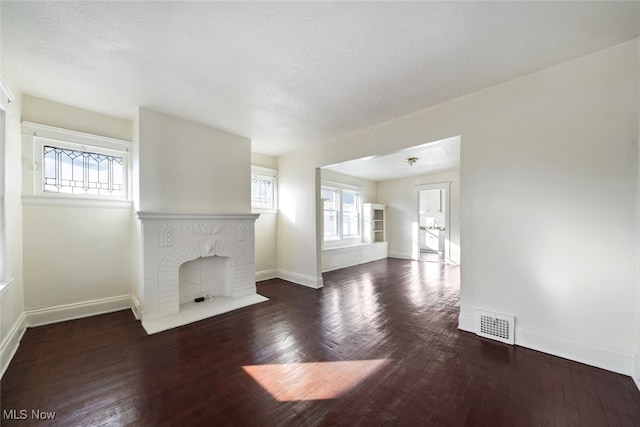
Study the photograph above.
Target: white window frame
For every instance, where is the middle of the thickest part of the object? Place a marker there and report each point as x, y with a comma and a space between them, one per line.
6, 97
340, 239
333, 237
36, 136
272, 175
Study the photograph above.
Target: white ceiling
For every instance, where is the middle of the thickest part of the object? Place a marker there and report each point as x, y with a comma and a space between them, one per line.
286, 74
434, 157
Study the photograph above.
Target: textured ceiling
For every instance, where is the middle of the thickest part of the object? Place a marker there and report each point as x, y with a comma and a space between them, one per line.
433, 157
287, 74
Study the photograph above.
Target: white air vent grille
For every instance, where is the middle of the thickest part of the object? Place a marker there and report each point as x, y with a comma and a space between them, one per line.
496, 326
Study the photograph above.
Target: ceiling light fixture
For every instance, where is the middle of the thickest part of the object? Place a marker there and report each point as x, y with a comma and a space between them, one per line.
411, 160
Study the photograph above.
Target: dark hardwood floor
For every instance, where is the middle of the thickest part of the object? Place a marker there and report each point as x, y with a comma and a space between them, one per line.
378, 345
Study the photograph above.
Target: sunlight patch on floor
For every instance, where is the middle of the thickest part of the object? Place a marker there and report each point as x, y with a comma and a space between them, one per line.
313, 381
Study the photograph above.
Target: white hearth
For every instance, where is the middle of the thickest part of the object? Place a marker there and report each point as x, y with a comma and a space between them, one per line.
189, 256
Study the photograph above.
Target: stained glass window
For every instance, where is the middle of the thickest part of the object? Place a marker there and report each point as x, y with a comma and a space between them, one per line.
262, 191
82, 172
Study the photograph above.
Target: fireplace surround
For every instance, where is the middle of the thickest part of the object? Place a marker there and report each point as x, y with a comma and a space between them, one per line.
170, 240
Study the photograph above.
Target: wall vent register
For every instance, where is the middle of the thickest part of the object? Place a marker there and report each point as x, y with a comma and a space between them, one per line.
495, 326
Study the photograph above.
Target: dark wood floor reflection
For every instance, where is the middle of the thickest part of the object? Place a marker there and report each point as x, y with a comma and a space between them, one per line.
377, 346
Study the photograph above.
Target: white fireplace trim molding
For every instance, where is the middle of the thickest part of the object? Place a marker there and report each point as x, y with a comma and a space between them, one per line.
171, 239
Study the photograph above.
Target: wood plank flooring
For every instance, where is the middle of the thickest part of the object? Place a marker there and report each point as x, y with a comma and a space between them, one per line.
377, 346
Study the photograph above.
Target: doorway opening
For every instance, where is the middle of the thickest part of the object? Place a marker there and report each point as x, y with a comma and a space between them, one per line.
432, 241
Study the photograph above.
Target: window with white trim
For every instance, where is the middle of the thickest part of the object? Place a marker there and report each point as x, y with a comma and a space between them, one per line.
66, 163
3, 234
82, 172
331, 203
6, 97
263, 188
341, 213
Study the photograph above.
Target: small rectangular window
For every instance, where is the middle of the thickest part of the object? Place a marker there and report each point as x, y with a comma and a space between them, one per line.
263, 188
73, 167
82, 172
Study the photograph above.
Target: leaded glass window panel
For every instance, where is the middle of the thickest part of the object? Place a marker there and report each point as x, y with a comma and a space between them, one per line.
262, 191
82, 172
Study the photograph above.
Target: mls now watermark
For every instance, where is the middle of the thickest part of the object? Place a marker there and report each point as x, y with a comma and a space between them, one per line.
23, 414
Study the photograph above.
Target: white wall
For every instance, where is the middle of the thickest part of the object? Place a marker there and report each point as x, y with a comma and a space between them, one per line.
548, 200
400, 197
137, 274
637, 356
554, 155
44, 111
187, 167
368, 188
266, 229
12, 319
263, 160
77, 256
298, 249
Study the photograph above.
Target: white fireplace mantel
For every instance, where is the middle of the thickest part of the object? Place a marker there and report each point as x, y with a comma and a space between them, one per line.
171, 239
214, 216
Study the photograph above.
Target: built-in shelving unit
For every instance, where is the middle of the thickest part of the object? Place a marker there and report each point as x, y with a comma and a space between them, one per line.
374, 223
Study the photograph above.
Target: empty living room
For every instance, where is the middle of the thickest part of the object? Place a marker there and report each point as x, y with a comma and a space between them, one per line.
320, 213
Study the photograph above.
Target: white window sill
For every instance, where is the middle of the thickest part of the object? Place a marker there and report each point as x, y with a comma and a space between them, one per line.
346, 246
264, 210
4, 285
60, 200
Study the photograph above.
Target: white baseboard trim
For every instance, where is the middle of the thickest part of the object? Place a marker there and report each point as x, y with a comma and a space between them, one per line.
592, 354
636, 376
568, 348
400, 255
347, 265
11, 342
301, 279
61, 313
135, 307
467, 323
266, 274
